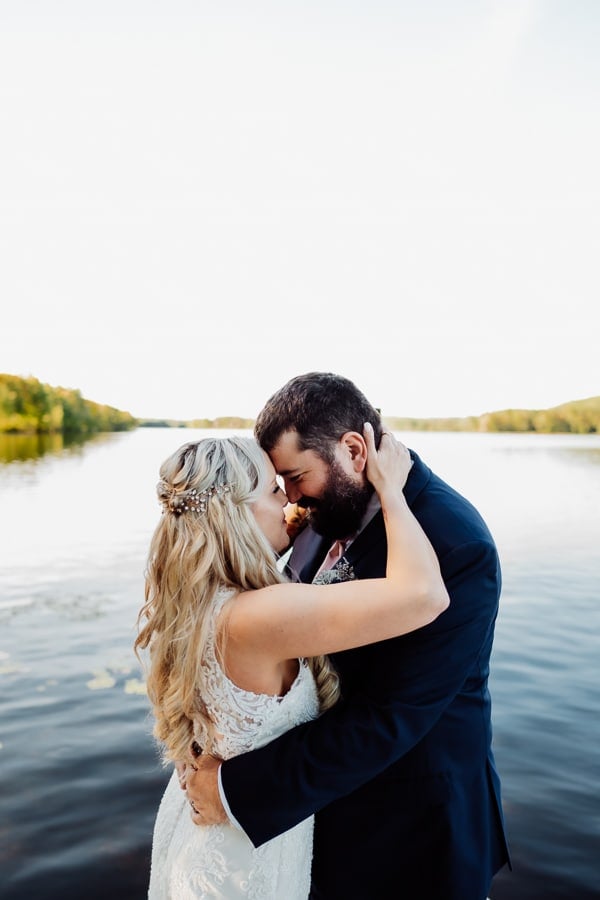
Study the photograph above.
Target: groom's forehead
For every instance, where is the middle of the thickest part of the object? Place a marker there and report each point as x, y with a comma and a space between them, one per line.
286, 453
288, 458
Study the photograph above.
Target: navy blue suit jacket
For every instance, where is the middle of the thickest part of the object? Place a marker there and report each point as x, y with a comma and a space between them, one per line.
400, 772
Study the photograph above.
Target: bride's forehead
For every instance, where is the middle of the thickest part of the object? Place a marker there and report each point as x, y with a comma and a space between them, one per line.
270, 468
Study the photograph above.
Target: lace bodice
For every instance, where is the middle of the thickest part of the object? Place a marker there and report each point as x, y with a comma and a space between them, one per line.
190, 861
243, 719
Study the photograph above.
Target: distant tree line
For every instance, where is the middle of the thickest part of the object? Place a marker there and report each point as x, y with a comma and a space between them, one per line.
235, 422
578, 417
29, 407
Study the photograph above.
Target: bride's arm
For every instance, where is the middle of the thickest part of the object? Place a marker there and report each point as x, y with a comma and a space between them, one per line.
290, 620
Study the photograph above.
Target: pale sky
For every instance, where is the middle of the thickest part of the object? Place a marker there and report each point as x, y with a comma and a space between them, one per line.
199, 200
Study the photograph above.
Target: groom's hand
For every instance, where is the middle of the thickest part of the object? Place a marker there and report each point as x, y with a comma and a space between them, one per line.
202, 789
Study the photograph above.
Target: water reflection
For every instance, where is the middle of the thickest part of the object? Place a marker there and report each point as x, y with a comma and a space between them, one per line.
24, 447
71, 607
581, 455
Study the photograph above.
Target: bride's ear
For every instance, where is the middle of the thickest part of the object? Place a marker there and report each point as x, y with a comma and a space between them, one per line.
355, 449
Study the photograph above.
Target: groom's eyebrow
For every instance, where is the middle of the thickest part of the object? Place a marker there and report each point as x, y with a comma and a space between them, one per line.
285, 472
293, 474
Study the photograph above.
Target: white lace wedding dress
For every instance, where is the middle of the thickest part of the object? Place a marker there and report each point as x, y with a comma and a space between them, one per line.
218, 861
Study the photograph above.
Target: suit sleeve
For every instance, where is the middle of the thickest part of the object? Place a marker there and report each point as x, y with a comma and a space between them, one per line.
410, 683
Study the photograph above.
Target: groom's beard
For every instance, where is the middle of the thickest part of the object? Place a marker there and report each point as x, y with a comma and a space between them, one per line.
339, 512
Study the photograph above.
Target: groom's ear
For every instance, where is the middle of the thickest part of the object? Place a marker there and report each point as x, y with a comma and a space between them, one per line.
354, 449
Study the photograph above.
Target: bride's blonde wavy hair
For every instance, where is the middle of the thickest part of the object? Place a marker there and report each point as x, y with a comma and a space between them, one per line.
207, 537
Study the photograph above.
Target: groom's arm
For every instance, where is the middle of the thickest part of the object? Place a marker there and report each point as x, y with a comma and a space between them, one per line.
271, 789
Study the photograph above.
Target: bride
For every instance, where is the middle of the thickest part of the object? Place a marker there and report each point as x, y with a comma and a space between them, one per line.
238, 654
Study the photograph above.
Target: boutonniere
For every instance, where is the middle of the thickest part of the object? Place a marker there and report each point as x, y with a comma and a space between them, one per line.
342, 571
297, 518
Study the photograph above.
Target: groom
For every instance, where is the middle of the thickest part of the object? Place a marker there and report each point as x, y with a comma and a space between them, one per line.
400, 772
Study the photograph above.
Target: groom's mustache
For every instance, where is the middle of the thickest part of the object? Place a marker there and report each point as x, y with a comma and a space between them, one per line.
308, 503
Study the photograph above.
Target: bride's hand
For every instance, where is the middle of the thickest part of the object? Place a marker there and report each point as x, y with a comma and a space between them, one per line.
388, 466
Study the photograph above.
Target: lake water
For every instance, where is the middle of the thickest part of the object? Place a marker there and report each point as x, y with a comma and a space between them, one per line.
79, 775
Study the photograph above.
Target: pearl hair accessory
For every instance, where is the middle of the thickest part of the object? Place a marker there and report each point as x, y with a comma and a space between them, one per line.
192, 500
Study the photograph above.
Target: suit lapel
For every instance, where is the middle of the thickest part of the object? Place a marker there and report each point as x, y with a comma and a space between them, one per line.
307, 555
